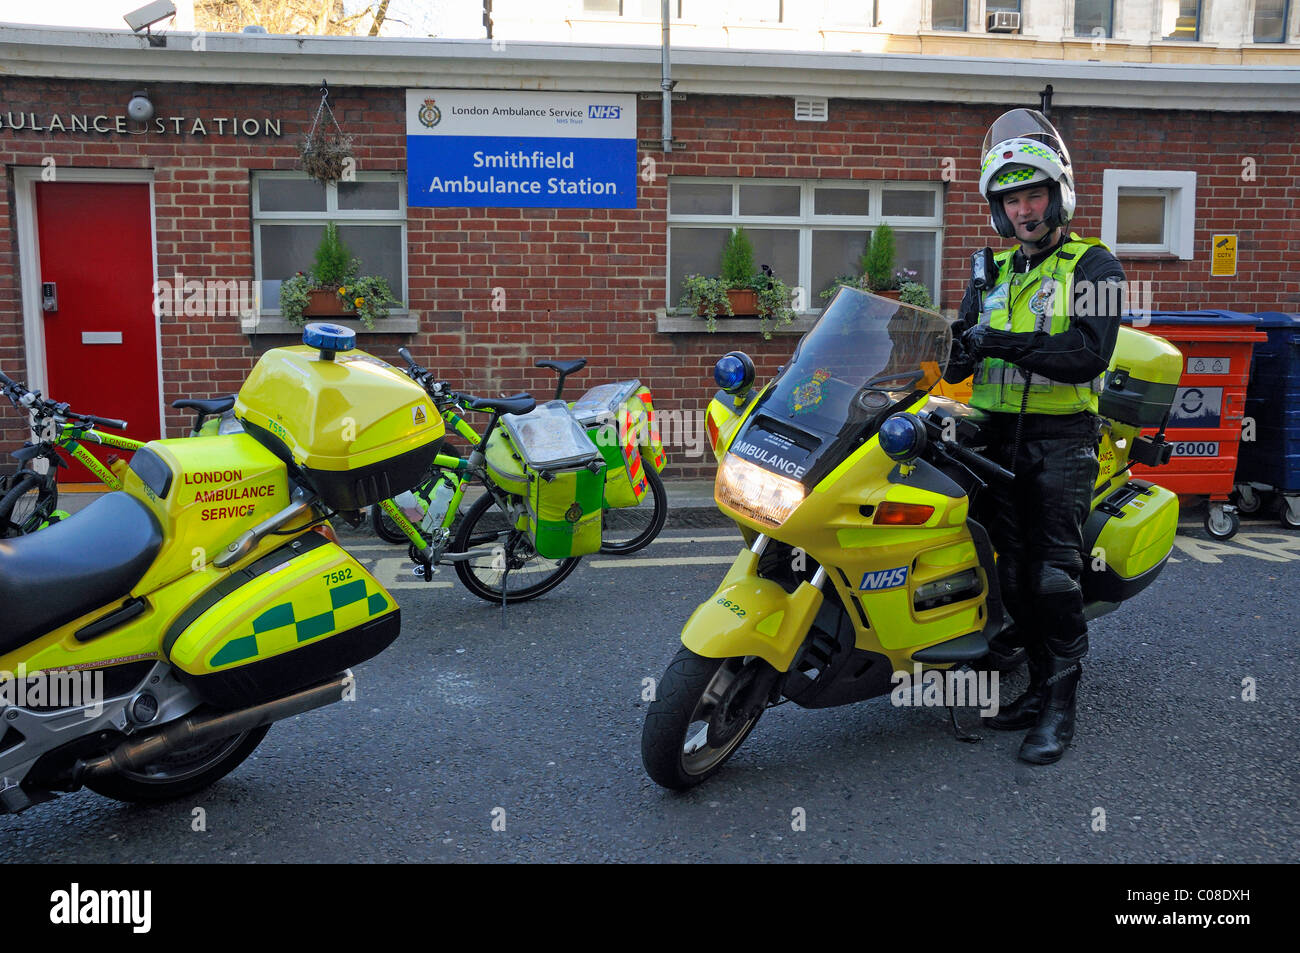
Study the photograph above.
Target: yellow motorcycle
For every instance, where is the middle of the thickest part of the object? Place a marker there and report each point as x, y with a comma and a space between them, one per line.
151, 639
852, 484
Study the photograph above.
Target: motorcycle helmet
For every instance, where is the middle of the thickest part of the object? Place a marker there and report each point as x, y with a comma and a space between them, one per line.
1023, 148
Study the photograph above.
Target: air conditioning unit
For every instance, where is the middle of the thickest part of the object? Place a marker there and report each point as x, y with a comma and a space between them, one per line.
1004, 21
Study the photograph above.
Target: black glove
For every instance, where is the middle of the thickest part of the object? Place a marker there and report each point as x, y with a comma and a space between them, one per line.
973, 340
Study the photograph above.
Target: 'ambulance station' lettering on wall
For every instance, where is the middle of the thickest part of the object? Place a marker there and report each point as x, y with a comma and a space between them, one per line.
520, 149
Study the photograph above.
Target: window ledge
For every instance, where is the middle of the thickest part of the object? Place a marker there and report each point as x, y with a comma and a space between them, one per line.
691, 324
408, 323
1146, 255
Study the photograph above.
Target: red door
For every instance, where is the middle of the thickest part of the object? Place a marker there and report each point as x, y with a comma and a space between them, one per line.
101, 350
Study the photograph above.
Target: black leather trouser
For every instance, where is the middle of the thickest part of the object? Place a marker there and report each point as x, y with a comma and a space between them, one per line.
1037, 525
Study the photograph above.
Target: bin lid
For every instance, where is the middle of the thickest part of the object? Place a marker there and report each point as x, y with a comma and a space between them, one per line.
1207, 317
1277, 319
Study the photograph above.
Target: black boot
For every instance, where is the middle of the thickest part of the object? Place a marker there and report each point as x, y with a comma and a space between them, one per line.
1048, 739
1023, 712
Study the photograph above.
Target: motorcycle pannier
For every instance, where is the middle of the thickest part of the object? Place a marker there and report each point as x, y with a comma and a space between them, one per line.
355, 427
1142, 379
565, 480
1127, 539
608, 416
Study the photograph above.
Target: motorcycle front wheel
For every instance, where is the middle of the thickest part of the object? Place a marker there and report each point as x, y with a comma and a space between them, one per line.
182, 772
701, 714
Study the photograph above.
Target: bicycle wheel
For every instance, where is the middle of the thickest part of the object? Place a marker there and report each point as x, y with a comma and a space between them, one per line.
387, 530
28, 503
509, 561
632, 528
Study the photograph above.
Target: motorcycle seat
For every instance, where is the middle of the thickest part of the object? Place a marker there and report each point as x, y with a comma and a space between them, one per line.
206, 406
93, 557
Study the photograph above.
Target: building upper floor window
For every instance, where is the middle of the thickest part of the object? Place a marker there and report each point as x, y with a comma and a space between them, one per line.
290, 212
1270, 20
948, 14
637, 9
1094, 18
810, 232
1180, 19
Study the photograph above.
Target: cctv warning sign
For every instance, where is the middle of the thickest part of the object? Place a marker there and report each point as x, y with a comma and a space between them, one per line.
1223, 256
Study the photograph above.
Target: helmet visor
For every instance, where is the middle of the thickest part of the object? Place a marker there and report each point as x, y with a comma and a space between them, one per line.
1025, 124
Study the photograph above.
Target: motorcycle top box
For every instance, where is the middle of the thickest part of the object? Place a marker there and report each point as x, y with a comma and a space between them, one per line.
354, 427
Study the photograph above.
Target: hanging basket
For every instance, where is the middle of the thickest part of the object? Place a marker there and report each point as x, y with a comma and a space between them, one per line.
326, 153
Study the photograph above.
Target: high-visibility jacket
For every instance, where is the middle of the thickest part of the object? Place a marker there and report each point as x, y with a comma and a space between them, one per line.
1038, 300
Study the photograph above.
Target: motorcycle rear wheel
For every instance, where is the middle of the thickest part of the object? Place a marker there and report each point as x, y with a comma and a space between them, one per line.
182, 772
693, 725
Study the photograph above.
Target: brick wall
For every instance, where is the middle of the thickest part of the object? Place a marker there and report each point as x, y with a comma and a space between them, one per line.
586, 282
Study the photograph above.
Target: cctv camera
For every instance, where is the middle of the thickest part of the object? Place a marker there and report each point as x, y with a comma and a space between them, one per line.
149, 14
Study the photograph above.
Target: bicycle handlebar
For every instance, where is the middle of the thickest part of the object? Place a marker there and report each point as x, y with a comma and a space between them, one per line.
25, 399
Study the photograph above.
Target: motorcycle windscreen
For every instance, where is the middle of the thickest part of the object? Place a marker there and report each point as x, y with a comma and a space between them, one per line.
863, 358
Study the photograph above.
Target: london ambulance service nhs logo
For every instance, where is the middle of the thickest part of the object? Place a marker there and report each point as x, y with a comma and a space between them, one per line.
429, 115
884, 578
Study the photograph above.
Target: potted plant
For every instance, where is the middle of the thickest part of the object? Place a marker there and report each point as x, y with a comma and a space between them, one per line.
773, 302
914, 293
879, 274
739, 273
707, 297
332, 288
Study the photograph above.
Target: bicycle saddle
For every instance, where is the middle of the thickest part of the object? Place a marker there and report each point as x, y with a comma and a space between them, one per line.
51, 577
518, 404
210, 405
564, 368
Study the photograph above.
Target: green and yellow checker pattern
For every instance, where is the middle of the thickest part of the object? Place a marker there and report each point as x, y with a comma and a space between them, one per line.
280, 627
310, 597
1016, 175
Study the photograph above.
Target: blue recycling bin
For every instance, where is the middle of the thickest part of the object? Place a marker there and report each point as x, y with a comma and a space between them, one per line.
1271, 462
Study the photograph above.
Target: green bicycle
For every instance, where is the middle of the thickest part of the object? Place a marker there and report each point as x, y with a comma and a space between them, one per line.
29, 496
493, 556
627, 525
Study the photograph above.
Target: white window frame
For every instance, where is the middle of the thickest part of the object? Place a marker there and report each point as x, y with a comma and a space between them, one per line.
806, 222
332, 213
1180, 209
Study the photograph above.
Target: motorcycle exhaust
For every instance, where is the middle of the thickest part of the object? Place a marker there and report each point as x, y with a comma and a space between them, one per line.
197, 729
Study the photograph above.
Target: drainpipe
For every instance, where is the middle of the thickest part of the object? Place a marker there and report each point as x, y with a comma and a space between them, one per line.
666, 83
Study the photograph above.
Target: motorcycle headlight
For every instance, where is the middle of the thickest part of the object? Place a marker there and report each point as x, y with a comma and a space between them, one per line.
761, 495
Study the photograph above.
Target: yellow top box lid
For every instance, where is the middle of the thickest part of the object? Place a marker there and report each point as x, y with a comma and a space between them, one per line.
342, 414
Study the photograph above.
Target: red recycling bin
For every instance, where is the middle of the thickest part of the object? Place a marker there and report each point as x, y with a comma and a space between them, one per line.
1205, 419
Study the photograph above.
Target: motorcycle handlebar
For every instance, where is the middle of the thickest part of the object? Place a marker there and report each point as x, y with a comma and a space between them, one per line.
980, 463
405, 355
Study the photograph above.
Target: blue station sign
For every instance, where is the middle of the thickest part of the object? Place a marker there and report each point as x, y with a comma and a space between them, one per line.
520, 149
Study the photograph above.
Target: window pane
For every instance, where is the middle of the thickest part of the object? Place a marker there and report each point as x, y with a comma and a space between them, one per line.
690, 199
695, 251
907, 202
1012, 5
759, 10
915, 250
1091, 15
859, 13
291, 195
1180, 19
948, 14
380, 249
834, 254
369, 195
600, 6
828, 201
778, 247
1270, 21
769, 200
289, 249
1141, 220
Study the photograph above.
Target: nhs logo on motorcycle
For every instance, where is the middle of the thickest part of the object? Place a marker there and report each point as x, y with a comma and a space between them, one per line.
495, 149
884, 578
